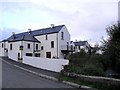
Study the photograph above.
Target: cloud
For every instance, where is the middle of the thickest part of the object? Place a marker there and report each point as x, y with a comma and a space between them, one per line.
85, 20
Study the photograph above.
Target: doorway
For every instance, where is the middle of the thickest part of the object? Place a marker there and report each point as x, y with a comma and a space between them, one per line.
48, 54
18, 56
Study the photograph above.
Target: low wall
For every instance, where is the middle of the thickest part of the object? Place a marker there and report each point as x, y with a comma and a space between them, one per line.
13, 56
0, 73
96, 79
55, 65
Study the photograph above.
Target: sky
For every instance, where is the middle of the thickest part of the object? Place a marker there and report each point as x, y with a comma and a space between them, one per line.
84, 19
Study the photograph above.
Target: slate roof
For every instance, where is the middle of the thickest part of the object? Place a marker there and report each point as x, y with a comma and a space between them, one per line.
49, 30
30, 37
80, 43
25, 37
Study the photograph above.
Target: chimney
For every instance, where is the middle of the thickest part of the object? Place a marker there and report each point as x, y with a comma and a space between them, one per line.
52, 25
29, 30
76, 40
13, 33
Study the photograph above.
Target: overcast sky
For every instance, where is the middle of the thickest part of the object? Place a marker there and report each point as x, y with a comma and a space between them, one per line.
84, 19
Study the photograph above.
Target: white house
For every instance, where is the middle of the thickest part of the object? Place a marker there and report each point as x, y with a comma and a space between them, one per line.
4, 48
52, 42
78, 45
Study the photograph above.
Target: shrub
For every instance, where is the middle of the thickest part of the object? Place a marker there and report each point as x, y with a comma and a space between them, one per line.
71, 68
91, 69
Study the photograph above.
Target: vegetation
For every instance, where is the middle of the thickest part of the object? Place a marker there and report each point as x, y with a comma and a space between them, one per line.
83, 63
96, 85
91, 63
111, 46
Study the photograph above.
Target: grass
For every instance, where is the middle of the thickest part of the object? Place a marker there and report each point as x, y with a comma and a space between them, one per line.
95, 85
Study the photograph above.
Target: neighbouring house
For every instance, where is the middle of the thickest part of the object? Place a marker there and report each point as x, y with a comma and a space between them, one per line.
52, 42
4, 48
78, 45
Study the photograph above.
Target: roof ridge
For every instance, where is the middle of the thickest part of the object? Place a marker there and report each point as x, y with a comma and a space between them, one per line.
37, 32
38, 29
49, 27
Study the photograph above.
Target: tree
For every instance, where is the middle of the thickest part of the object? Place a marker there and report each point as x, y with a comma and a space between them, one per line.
111, 47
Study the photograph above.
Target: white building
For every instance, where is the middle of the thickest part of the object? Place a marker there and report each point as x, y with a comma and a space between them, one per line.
52, 42
78, 45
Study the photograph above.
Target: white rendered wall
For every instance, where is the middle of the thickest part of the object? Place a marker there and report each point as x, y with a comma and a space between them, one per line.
2, 51
55, 65
47, 44
13, 54
6, 46
63, 42
25, 47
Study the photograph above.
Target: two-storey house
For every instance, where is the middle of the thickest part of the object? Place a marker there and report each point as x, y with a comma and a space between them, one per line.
52, 42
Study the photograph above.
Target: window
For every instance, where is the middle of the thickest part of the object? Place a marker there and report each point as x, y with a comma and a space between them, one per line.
10, 46
36, 46
74, 48
29, 54
37, 54
71, 47
62, 36
28, 46
2, 45
52, 44
42, 48
21, 47
67, 45
46, 37
18, 55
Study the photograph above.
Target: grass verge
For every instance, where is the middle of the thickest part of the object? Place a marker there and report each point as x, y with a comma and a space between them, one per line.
96, 85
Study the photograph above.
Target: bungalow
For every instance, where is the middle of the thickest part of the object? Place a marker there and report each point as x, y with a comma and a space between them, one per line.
52, 42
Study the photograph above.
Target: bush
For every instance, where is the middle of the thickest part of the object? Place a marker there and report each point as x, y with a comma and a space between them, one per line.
71, 68
82, 63
78, 59
93, 70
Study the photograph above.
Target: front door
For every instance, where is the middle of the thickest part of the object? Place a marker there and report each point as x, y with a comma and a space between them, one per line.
18, 56
48, 54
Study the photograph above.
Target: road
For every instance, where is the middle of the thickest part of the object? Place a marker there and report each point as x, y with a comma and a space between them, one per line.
14, 77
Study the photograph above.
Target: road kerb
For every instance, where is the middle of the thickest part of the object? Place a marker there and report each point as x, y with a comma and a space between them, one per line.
72, 84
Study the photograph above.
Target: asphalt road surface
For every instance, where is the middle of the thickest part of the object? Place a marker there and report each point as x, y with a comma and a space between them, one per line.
13, 77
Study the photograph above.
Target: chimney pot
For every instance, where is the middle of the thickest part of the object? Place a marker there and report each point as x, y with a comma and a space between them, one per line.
52, 25
14, 35
29, 29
